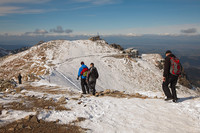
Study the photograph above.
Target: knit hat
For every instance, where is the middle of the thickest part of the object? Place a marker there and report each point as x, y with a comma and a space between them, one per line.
168, 52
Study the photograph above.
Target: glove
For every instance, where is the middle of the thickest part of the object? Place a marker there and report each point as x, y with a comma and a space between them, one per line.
77, 78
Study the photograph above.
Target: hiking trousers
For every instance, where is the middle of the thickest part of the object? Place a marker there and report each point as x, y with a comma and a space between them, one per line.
172, 81
84, 86
20, 81
92, 85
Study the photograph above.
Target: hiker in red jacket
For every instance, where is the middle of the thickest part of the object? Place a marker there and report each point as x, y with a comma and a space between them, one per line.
172, 70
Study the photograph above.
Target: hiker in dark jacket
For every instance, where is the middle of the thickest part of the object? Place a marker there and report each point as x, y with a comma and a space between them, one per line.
170, 78
92, 77
83, 70
20, 78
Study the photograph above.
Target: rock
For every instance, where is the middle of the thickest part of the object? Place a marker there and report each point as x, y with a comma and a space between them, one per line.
46, 107
34, 109
20, 126
22, 101
101, 94
95, 38
19, 121
137, 94
56, 121
34, 119
79, 102
11, 129
42, 121
81, 96
18, 90
79, 119
28, 127
62, 100
51, 99
117, 46
97, 94
107, 91
24, 93
27, 118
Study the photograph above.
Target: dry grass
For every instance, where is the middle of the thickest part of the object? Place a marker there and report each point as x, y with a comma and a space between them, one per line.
49, 90
119, 94
40, 126
28, 103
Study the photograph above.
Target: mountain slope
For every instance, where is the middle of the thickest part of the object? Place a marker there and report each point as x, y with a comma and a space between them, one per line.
135, 105
116, 73
3, 52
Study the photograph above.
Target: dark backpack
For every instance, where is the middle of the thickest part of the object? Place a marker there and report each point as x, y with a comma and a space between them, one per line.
175, 68
95, 73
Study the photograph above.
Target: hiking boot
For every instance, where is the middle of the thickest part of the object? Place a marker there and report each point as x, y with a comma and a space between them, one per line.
175, 100
167, 99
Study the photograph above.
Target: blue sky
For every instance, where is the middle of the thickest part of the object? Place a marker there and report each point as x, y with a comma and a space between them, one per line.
108, 17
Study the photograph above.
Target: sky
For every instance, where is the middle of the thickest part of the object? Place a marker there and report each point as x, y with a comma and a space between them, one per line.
106, 17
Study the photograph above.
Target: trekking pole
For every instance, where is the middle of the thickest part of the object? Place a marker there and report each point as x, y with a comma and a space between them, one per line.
68, 79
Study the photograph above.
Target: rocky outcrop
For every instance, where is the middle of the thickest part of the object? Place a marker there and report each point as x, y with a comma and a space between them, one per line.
95, 38
132, 52
117, 46
4, 52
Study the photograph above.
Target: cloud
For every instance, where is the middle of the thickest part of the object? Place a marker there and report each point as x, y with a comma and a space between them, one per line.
17, 10
6, 7
98, 2
37, 32
59, 29
188, 31
3, 2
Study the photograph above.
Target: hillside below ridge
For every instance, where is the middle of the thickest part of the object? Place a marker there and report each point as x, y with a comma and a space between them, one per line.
129, 92
44, 61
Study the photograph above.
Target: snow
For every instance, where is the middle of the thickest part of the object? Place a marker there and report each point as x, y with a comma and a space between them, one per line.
115, 115
109, 114
13, 115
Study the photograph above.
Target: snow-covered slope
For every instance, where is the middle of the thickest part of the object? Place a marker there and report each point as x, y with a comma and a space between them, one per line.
55, 57
56, 63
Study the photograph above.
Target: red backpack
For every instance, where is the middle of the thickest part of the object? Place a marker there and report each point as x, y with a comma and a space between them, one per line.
175, 68
84, 72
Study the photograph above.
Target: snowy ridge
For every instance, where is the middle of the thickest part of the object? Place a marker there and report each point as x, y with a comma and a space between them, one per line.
56, 63
123, 74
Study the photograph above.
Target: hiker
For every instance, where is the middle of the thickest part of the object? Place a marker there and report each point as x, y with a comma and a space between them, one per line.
83, 70
92, 76
172, 70
20, 78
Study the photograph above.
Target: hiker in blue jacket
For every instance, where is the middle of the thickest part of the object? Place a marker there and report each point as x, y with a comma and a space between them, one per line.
83, 70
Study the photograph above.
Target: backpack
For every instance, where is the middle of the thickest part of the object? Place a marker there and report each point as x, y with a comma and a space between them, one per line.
175, 68
95, 73
84, 72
